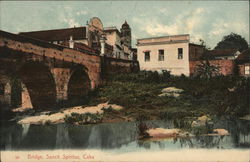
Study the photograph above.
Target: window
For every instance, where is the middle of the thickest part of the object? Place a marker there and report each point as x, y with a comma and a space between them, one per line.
247, 69
180, 53
161, 55
147, 56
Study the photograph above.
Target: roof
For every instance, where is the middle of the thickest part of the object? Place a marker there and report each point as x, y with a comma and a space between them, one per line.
163, 40
167, 36
222, 52
245, 55
125, 25
34, 41
78, 33
193, 44
111, 29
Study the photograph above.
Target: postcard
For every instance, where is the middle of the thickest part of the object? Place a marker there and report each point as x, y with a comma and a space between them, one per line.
121, 81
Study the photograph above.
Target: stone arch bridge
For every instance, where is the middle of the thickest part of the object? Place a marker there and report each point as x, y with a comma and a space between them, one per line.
53, 75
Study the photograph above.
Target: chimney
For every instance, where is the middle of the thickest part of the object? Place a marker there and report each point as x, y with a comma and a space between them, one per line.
102, 41
71, 42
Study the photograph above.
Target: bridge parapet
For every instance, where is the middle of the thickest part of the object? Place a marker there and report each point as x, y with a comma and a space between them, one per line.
32, 46
52, 73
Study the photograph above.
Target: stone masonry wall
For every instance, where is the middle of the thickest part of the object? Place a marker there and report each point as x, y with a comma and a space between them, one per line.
113, 66
28, 45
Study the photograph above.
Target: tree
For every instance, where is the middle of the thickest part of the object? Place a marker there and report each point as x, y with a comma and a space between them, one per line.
206, 70
203, 43
232, 41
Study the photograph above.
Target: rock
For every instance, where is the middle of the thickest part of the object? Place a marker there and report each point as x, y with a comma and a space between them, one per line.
201, 121
103, 105
116, 107
21, 109
231, 89
246, 117
58, 117
163, 133
107, 105
171, 92
204, 118
221, 132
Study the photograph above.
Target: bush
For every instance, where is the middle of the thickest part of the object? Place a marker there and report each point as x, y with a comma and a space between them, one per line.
86, 118
140, 90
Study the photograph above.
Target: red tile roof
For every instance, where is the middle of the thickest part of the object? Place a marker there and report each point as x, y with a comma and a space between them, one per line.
222, 52
78, 33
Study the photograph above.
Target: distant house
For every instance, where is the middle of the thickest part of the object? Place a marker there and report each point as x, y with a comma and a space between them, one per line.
222, 54
172, 53
243, 63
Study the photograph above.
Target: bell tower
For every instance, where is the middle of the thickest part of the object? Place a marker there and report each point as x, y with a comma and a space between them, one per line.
126, 34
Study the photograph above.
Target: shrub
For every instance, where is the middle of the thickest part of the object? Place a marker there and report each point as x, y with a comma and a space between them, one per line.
87, 118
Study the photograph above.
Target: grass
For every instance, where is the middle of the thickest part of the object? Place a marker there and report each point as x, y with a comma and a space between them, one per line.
138, 93
81, 119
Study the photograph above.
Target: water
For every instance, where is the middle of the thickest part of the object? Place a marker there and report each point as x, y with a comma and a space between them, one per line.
122, 137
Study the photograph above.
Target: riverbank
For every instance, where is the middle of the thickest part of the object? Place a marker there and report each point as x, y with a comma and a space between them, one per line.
141, 95
151, 96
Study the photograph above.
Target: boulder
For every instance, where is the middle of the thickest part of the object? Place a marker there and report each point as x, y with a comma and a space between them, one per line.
201, 121
172, 90
221, 132
163, 133
169, 94
55, 118
246, 117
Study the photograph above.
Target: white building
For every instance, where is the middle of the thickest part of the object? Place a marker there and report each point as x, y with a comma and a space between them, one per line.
113, 37
171, 53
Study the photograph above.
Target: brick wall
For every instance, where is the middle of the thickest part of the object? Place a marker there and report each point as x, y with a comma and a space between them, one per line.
226, 67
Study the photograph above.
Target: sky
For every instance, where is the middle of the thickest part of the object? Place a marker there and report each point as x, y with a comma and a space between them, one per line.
206, 20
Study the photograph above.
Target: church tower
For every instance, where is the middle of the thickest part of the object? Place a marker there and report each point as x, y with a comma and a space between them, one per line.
126, 34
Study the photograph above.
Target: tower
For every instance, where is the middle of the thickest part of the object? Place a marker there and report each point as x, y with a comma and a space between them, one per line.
126, 34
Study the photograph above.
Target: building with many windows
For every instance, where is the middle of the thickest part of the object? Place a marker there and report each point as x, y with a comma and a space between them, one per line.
172, 53
93, 38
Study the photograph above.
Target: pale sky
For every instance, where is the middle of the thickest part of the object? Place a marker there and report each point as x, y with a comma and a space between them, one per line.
207, 20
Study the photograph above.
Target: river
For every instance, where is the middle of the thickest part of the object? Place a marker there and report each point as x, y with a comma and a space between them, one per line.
118, 138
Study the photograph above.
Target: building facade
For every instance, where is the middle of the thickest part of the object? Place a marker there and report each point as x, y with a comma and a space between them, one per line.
172, 53
243, 63
93, 37
121, 41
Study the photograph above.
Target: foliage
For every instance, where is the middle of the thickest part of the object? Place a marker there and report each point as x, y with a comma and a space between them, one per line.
87, 118
140, 97
203, 43
143, 77
206, 70
232, 41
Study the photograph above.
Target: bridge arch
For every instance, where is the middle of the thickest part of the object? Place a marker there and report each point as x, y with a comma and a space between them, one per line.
40, 84
79, 86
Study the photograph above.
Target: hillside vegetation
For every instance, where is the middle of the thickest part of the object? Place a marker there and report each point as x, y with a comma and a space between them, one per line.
138, 94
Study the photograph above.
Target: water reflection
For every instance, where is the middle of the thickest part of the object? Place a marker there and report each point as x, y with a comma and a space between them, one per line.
116, 135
